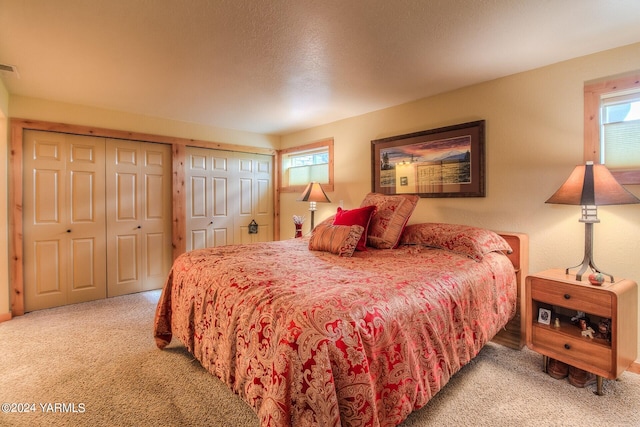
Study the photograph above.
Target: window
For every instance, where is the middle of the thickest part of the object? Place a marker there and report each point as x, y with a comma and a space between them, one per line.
303, 164
612, 126
620, 130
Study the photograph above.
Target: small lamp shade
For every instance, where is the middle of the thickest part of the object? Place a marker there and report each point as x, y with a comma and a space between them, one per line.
313, 194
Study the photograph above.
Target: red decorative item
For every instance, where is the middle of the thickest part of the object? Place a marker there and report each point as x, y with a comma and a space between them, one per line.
298, 230
358, 216
596, 279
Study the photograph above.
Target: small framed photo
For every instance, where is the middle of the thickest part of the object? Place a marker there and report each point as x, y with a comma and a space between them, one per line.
544, 316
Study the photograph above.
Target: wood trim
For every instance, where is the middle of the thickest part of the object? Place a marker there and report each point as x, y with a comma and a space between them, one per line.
513, 335
592, 94
18, 125
300, 188
135, 136
16, 255
277, 172
179, 241
4, 317
635, 368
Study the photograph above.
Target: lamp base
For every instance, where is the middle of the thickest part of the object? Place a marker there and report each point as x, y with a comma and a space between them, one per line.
587, 261
312, 224
586, 264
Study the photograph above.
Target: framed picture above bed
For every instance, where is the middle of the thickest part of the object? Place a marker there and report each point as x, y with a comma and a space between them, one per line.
442, 162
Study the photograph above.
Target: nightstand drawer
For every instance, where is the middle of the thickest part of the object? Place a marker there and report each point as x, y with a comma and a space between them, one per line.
590, 300
570, 349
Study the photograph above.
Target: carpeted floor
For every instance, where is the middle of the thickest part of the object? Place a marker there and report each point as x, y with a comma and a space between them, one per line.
96, 364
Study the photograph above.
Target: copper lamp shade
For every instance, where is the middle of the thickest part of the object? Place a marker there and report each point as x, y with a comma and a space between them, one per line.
591, 186
313, 194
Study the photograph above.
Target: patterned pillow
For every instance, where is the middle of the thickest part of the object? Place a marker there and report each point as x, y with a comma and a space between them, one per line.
462, 239
389, 219
337, 239
359, 216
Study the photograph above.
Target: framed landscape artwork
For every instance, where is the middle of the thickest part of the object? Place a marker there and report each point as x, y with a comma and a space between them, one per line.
443, 162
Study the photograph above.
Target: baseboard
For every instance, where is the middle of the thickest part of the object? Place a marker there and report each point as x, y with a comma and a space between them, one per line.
5, 316
635, 368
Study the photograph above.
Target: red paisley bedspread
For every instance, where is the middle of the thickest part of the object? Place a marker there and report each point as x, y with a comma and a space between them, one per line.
310, 338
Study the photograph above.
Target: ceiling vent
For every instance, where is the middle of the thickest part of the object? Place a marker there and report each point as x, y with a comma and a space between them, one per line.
9, 70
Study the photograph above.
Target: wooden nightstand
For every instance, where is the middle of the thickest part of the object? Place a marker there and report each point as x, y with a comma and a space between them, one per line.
563, 295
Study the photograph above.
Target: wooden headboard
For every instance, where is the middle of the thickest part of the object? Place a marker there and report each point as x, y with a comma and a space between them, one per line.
513, 334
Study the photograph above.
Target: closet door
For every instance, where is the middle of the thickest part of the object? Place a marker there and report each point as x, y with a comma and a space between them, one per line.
255, 197
138, 215
210, 210
63, 217
225, 192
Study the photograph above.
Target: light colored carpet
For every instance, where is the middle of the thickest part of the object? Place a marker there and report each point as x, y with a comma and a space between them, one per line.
101, 357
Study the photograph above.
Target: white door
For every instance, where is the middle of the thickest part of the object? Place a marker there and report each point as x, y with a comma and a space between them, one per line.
255, 201
209, 216
138, 215
63, 217
226, 191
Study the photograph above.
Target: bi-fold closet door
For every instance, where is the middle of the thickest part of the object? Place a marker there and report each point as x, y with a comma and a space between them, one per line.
96, 217
225, 192
64, 219
138, 216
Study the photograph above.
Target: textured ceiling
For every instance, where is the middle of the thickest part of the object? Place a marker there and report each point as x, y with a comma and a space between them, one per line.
276, 66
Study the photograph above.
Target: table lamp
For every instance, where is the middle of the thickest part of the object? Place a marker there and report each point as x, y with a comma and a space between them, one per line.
591, 186
313, 194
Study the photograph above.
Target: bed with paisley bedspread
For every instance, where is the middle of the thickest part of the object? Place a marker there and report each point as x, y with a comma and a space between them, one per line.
309, 335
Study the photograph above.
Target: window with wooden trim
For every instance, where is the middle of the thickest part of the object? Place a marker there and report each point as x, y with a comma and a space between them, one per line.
303, 164
612, 126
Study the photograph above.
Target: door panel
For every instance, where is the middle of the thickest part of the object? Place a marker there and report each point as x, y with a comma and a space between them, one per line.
86, 219
48, 272
46, 196
123, 217
231, 189
139, 215
209, 217
255, 177
155, 248
63, 219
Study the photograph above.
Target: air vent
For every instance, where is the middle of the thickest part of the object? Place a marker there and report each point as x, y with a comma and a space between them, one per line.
10, 70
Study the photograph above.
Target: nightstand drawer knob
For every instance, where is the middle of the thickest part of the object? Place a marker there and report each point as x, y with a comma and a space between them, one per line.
567, 346
567, 296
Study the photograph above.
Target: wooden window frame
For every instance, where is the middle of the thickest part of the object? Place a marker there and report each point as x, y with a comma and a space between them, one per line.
592, 96
325, 143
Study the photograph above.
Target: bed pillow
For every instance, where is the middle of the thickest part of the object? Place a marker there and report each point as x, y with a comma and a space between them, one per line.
337, 239
389, 219
463, 239
358, 216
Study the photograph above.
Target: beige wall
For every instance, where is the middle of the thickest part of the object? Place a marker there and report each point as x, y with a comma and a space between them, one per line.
57, 112
534, 138
4, 258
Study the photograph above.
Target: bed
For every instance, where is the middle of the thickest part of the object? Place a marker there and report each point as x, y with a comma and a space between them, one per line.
316, 332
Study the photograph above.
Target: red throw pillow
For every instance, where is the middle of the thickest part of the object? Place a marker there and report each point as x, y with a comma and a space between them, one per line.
359, 216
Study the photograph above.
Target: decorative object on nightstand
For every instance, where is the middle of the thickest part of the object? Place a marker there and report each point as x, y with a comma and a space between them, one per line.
313, 194
591, 186
598, 332
298, 221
